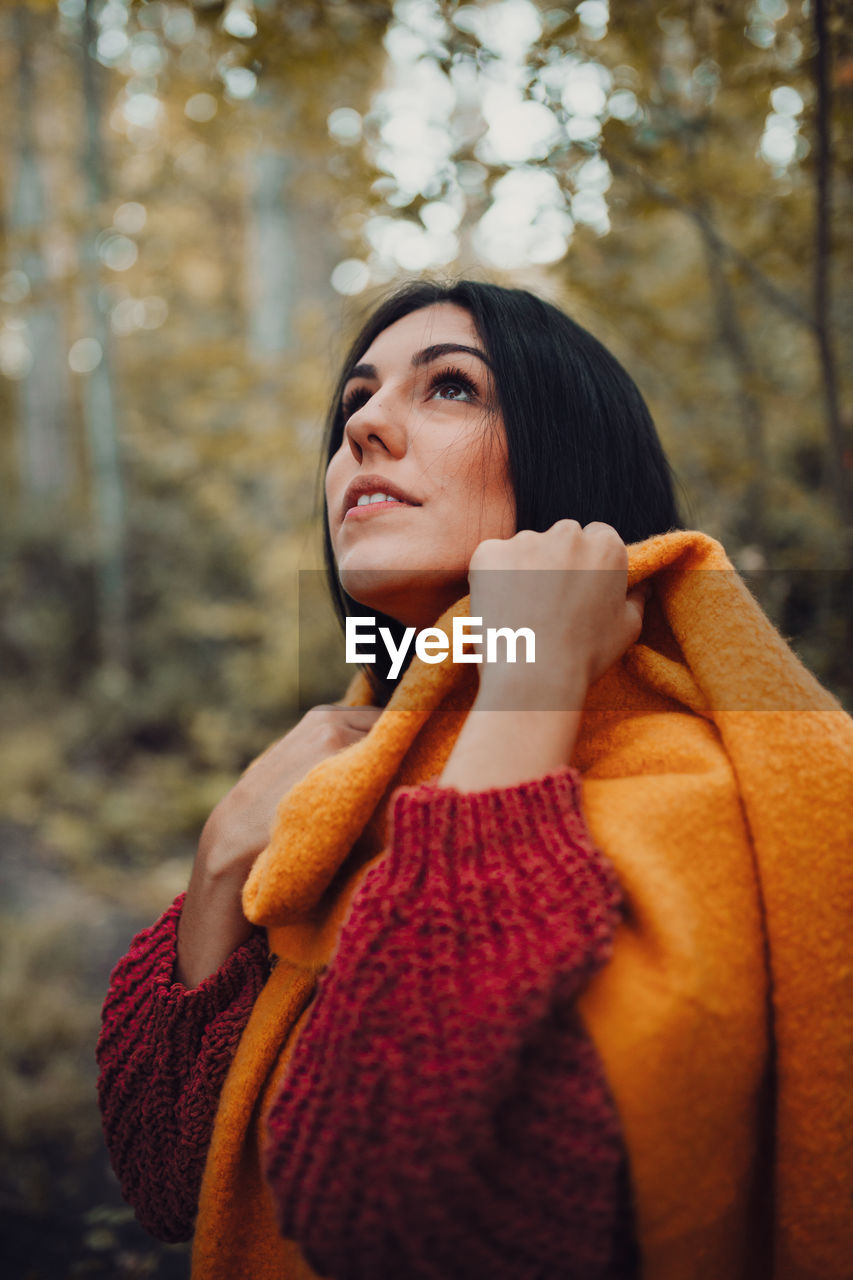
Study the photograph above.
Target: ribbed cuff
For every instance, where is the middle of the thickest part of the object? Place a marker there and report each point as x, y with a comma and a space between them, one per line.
514, 816
217, 991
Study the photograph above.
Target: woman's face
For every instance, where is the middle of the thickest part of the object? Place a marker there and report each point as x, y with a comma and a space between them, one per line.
419, 426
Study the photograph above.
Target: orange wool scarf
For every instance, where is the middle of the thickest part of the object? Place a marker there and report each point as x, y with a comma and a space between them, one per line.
717, 778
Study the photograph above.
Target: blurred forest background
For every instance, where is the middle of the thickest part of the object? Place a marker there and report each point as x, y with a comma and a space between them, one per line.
199, 201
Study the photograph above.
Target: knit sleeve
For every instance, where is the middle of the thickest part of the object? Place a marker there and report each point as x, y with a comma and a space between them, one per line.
445, 1115
163, 1054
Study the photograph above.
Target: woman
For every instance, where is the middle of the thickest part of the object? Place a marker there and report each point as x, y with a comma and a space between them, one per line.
503, 996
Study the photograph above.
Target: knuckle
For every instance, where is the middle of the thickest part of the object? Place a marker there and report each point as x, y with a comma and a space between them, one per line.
486, 552
320, 714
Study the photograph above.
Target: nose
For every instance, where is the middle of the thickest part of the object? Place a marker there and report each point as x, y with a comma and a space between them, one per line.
377, 426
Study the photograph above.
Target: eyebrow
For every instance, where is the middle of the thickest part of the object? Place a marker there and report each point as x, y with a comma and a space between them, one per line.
423, 357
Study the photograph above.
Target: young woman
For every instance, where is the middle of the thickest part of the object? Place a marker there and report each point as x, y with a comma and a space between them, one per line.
485, 1041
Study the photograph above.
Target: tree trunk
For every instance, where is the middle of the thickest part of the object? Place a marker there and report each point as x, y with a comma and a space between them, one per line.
270, 256
98, 397
44, 453
835, 473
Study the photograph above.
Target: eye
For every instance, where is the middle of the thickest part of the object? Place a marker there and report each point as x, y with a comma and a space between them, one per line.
353, 402
455, 383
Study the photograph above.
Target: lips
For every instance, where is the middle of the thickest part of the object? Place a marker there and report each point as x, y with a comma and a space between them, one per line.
374, 484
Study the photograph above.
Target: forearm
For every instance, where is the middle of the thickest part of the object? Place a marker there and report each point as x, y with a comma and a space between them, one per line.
212, 923
211, 928
502, 743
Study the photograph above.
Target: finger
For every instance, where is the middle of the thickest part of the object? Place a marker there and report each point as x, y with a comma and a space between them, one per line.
604, 542
635, 604
361, 717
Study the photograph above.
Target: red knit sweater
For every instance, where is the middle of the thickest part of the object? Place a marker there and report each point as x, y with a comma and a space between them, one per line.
444, 1113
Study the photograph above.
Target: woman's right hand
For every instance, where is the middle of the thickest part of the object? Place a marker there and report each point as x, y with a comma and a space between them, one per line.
240, 826
212, 924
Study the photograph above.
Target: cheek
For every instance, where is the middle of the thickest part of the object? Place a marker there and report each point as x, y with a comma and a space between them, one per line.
491, 474
476, 481
476, 459
334, 481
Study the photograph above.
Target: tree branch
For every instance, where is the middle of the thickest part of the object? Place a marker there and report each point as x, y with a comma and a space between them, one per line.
663, 195
736, 344
834, 469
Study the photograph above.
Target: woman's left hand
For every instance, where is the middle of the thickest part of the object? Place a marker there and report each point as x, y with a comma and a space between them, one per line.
573, 595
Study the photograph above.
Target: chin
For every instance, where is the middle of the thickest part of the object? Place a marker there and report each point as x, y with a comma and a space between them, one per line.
379, 588
414, 596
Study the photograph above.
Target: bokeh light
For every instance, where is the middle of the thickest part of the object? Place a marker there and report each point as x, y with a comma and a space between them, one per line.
85, 355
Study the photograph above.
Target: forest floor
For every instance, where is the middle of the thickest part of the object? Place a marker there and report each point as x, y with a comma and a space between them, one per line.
61, 1210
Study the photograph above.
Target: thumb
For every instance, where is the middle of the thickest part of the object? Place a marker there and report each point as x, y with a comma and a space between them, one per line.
635, 604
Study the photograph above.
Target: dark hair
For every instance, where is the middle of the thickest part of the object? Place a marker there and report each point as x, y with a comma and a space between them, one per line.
581, 442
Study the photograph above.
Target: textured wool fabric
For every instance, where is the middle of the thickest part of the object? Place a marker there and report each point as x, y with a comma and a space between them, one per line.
444, 1116
164, 1050
717, 779
547, 1074
163, 1054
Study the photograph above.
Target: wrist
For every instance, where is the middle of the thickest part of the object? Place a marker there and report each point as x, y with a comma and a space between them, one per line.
503, 747
211, 926
514, 689
220, 859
